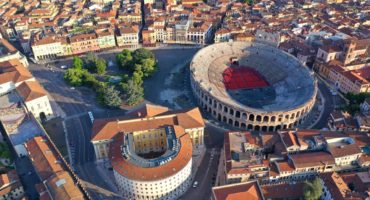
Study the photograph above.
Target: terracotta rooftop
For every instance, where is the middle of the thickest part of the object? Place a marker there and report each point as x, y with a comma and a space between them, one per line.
13, 71
129, 170
283, 191
345, 150
9, 48
148, 117
312, 159
83, 37
289, 138
49, 168
8, 178
43, 158
335, 184
285, 166
61, 186
31, 90
248, 190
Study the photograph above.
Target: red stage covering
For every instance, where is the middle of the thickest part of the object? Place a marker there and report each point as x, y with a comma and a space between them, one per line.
236, 78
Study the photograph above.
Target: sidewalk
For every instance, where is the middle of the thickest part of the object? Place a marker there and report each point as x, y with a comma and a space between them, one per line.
323, 100
107, 176
198, 156
220, 178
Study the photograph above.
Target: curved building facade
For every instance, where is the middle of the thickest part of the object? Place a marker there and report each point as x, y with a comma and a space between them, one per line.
252, 86
141, 173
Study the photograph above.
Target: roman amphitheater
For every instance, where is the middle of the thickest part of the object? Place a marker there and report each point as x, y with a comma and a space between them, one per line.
252, 86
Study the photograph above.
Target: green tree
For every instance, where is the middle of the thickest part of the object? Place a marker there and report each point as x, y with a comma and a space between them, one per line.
144, 61
148, 67
133, 93
124, 59
312, 190
112, 97
89, 79
137, 77
355, 100
142, 54
6, 154
100, 66
74, 76
90, 61
77, 63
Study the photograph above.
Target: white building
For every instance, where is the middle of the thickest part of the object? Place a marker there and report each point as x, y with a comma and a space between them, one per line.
12, 74
46, 48
8, 52
35, 98
128, 37
173, 137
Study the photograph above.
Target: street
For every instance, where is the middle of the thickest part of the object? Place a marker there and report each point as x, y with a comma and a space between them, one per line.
331, 102
76, 102
207, 171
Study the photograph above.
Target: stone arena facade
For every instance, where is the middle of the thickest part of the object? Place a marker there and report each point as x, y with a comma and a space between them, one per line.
285, 103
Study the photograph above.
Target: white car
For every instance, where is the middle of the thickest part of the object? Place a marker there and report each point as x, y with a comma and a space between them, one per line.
195, 184
72, 88
63, 67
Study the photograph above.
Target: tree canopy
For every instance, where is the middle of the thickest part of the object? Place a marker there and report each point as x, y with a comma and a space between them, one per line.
95, 64
140, 60
312, 190
133, 92
139, 64
100, 66
75, 76
355, 100
112, 97
124, 59
77, 63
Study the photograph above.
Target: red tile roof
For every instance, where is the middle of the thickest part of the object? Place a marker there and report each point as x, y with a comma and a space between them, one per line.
312, 159
31, 90
43, 158
132, 171
61, 186
149, 117
248, 190
283, 191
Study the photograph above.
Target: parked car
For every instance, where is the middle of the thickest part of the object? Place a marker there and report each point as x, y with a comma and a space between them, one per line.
195, 184
63, 67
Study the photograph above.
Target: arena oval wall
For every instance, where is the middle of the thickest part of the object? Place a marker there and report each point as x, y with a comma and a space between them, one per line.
294, 85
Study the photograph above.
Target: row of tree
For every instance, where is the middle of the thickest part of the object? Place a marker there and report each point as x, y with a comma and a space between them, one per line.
138, 65
83, 73
92, 63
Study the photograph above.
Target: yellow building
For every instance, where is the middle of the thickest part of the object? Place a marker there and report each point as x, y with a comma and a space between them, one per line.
150, 150
150, 140
146, 126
